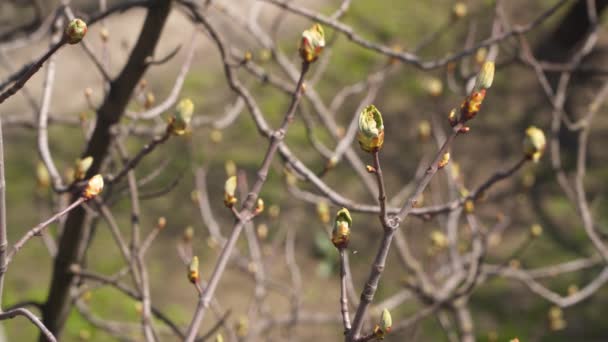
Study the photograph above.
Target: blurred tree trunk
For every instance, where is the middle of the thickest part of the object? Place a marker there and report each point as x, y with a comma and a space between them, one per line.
70, 251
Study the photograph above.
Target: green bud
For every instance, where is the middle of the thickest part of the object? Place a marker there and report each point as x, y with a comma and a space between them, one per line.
485, 76
229, 191
183, 115
385, 325
82, 166
340, 234
75, 31
193, 273
534, 143
312, 43
371, 129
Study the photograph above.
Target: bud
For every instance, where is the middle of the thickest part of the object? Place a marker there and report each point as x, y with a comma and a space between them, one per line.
340, 131
274, 211
104, 34
323, 211
385, 325
371, 129
259, 206
88, 92
536, 230
180, 122
230, 168
216, 136
188, 234
42, 176
469, 206
248, 56
149, 101
242, 327
452, 119
82, 166
455, 170
572, 290
471, 105
438, 239
211, 242
534, 143
312, 43
94, 187
75, 31
219, 338
424, 130
229, 192
340, 235
485, 76
433, 86
193, 274
556, 319
370, 169
139, 308
445, 159
262, 231
84, 335
480, 55
265, 55
290, 178
459, 10
162, 222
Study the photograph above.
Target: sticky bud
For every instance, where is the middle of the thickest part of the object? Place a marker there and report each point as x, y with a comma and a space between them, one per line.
323, 212
94, 187
230, 168
459, 10
188, 234
469, 206
452, 119
216, 136
193, 274
274, 211
104, 34
262, 231
534, 143
180, 122
312, 43
248, 56
433, 86
162, 222
424, 130
438, 239
371, 129
75, 31
536, 230
149, 101
385, 325
445, 159
82, 166
340, 234
229, 192
42, 176
485, 77
259, 206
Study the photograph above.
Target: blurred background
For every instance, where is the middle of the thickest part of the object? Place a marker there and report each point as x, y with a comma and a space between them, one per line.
501, 308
